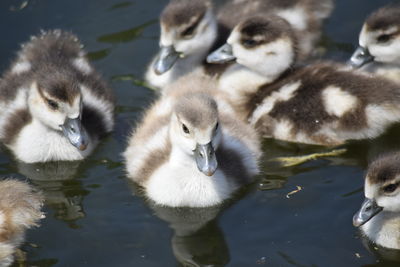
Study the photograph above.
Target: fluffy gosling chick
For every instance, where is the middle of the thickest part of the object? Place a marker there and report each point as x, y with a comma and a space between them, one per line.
190, 150
190, 30
379, 50
379, 216
322, 103
20, 209
53, 105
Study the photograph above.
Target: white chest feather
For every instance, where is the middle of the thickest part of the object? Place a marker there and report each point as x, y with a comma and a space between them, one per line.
36, 143
237, 81
180, 68
179, 183
384, 230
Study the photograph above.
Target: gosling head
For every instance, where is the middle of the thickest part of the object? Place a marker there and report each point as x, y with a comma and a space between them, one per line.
382, 189
56, 101
263, 44
188, 28
194, 129
379, 38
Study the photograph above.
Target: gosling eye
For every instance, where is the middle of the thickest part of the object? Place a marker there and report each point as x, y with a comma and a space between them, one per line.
188, 32
390, 188
249, 43
383, 38
185, 129
52, 104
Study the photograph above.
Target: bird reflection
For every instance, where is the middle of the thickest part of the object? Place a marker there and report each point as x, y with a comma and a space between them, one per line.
197, 238
63, 193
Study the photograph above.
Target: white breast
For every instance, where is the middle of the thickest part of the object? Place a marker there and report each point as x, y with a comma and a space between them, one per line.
383, 229
36, 143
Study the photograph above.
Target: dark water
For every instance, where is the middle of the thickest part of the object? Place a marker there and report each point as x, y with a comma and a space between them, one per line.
95, 217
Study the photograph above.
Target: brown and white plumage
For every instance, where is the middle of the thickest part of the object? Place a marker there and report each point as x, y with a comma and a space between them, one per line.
166, 152
20, 209
190, 31
323, 103
53, 104
379, 43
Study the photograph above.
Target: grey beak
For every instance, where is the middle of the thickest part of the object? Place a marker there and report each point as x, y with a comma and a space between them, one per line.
221, 55
166, 59
369, 209
76, 134
360, 57
206, 159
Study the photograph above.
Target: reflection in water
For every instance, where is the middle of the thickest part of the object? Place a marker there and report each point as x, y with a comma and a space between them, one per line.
125, 36
99, 54
385, 257
62, 192
197, 239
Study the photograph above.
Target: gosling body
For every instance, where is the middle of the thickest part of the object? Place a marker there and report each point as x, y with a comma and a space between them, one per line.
20, 209
53, 105
164, 155
323, 103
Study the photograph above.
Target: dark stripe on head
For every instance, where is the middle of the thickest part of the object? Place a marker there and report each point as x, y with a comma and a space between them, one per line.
260, 30
181, 12
16, 122
60, 85
384, 169
384, 18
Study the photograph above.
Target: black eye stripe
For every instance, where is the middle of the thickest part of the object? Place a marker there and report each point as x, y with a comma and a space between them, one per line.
390, 188
53, 104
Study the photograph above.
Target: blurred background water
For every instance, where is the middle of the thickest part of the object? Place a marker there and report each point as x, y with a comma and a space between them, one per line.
96, 217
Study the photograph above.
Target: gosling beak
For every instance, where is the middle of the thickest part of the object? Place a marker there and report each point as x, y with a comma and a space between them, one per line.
76, 134
360, 57
206, 159
221, 55
166, 59
369, 209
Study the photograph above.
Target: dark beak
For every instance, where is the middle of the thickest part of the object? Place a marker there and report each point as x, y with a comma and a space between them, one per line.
76, 134
360, 57
206, 159
221, 55
166, 59
369, 209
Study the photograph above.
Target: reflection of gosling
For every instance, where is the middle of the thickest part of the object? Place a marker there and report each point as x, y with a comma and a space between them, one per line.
20, 208
379, 216
189, 151
54, 106
322, 103
379, 50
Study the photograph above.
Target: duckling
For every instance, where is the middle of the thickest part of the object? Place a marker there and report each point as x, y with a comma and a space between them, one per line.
20, 209
379, 216
323, 103
190, 31
380, 43
53, 105
190, 150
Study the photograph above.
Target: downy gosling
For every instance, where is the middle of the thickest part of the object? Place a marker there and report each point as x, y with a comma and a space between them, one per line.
53, 105
379, 216
191, 151
190, 31
323, 103
20, 209
379, 50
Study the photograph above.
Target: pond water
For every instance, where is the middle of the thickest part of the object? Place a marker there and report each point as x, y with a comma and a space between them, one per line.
95, 216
